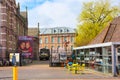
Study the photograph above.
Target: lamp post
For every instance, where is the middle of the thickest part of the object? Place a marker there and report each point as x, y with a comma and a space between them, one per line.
38, 41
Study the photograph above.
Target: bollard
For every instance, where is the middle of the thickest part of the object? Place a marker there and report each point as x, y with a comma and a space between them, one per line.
15, 73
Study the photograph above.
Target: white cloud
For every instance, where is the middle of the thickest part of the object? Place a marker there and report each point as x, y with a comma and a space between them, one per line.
28, 1
54, 13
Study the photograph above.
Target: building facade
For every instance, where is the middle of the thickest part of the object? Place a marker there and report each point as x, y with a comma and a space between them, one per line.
103, 53
57, 37
34, 33
12, 24
21, 22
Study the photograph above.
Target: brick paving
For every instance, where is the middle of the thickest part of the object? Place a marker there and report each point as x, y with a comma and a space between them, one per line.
42, 71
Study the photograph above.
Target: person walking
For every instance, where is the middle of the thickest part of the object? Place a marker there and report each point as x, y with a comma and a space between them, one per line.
14, 60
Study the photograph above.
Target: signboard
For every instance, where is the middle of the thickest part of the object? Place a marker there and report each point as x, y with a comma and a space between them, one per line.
55, 55
58, 55
17, 55
25, 46
63, 57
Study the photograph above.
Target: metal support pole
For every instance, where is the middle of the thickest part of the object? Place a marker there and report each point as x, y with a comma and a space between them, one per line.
15, 73
113, 61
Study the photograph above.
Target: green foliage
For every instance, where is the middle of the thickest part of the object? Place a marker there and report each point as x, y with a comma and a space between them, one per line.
95, 16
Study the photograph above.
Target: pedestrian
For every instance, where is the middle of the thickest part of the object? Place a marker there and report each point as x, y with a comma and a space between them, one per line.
1, 61
66, 62
14, 60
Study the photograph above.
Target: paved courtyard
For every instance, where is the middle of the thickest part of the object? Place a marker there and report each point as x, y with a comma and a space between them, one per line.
40, 70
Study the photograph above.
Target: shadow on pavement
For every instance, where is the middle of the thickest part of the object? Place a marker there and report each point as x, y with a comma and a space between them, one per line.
43, 62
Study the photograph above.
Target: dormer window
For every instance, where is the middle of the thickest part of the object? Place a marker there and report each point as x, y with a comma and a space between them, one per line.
54, 31
61, 31
67, 30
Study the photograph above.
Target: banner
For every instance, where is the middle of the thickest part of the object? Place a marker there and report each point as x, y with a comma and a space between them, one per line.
25, 46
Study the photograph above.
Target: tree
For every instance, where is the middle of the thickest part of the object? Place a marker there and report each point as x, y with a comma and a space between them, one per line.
95, 16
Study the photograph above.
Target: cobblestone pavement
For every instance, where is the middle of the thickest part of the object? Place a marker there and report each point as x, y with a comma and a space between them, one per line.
40, 70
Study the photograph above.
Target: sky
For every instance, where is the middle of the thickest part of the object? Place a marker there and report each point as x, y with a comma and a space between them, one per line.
54, 13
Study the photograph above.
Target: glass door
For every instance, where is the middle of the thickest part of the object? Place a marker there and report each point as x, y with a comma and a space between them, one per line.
118, 60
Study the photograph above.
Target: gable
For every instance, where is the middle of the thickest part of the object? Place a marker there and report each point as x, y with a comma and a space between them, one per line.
109, 34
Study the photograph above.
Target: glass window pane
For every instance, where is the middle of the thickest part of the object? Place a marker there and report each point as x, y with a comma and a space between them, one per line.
72, 39
40, 41
52, 39
58, 39
46, 40
65, 39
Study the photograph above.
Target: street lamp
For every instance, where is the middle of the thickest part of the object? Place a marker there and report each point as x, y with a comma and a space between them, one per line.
38, 41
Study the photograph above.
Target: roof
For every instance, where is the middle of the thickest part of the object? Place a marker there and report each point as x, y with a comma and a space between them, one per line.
57, 30
109, 34
23, 14
98, 45
33, 32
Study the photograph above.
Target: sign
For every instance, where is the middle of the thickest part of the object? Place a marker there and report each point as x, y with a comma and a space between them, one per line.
25, 46
55, 57
63, 57
17, 55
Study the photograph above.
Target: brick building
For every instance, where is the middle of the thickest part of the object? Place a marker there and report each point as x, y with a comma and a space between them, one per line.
21, 21
12, 24
34, 32
56, 38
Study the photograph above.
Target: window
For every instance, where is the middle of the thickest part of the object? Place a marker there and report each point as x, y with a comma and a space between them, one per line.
18, 28
52, 39
46, 47
71, 48
58, 48
72, 39
46, 40
58, 39
52, 47
40, 41
55, 31
67, 30
61, 31
65, 39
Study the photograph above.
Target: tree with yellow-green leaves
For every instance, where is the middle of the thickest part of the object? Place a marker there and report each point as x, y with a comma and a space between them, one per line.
95, 16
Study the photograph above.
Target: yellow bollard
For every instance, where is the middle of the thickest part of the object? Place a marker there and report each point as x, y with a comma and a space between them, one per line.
15, 73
